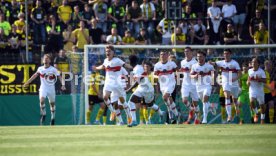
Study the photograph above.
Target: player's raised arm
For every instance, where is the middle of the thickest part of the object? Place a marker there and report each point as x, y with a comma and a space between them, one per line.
33, 77
128, 66
101, 67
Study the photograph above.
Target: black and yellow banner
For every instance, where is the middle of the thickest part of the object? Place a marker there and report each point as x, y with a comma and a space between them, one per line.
13, 76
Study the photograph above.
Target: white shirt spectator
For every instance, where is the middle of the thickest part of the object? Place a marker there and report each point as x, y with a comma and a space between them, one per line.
145, 9
229, 10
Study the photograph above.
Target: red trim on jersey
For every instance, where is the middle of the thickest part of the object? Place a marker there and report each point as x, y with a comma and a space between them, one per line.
187, 70
114, 69
254, 79
41, 75
166, 72
203, 74
229, 70
144, 74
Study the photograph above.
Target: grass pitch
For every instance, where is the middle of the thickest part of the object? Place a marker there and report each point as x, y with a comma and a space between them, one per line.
153, 140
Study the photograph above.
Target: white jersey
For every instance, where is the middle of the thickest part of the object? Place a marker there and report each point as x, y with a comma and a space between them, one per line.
229, 70
254, 76
138, 73
124, 74
113, 68
186, 67
165, 73
204, 72
48, 77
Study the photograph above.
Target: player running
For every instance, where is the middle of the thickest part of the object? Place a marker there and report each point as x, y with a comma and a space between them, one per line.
114, 99
244, 96
203, 72
188, 88
112, 65
165, 70
95, 98
48, 76
256, 81
144, 90
231, 73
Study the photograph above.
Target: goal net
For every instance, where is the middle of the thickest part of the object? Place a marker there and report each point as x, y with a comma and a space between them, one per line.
81, 64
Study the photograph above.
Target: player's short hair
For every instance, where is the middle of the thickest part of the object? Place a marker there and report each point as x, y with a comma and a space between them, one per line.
164, 51
146, 62
256, 58
227, 50
201, 52
133, 59
48, 55
245, 64
188, 48
111, 47
267, 61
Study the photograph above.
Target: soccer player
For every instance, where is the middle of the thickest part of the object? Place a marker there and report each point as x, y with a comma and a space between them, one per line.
112, 66
94, 98
203, 72
144, 90
165, 70
114, 99
268, 96
244, 96
256, 80
231, 73
48, 76
188, 88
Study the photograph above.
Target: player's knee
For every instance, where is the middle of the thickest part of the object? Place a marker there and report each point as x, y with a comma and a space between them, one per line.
102, 105
165, 97
105, 98
185, 101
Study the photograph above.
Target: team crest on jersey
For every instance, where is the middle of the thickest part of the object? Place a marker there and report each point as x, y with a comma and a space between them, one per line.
205, 69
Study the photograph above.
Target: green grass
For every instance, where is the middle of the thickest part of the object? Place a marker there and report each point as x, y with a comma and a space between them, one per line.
153, 140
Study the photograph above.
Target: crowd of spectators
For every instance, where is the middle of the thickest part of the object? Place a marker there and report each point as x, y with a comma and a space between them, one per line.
63, 24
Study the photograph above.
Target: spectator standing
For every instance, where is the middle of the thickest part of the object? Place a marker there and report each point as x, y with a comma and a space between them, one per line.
100, 10
81, 36
38, 16
116, 14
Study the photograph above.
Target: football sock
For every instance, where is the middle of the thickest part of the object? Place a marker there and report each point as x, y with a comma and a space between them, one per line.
152, 111
127, 111
118, 115
262, 116
88, 115
173, 108
223, 113
42, 109
100, 113
141, 113
271, 114
228, 107
104, 119
132, 110
53, 112
241, 113
146, 114
205, 110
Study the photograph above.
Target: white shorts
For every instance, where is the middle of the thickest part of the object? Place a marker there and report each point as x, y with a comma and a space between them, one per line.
148, 95
234, 90
187, 91
259, 96
118, 90
50, 93
204, 91
169, 88
114, 97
